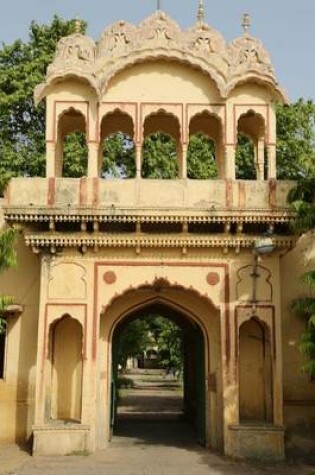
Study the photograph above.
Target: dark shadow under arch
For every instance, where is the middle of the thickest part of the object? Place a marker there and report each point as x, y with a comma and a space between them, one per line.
194, 402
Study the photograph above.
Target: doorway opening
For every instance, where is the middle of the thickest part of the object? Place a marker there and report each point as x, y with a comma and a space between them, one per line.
158, 377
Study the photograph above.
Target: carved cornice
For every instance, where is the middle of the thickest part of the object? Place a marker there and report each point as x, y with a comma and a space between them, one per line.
138, 241
106, 215
122, 45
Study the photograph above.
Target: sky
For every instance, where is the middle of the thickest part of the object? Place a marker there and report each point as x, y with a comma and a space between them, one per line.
286, 27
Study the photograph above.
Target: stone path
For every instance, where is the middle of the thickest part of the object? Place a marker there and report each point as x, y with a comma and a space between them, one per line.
150, 439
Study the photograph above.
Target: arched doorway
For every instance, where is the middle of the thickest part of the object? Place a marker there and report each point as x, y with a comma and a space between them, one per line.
202, 379
190, 410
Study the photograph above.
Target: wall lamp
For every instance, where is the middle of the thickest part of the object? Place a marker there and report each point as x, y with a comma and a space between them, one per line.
260, 247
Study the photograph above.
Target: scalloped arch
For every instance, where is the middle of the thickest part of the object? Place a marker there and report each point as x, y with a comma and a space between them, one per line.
173, 55
253, 77
41, 90
156, 286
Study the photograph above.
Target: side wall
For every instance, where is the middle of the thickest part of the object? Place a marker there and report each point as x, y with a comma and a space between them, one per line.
299, 390
17, 388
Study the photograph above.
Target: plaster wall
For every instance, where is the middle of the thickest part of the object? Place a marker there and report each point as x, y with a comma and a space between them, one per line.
17, 388
299, 390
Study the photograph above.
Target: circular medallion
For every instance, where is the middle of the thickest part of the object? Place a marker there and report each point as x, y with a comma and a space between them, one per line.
213, 278
109, 277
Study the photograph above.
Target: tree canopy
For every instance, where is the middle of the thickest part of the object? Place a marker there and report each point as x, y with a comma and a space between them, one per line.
302, 198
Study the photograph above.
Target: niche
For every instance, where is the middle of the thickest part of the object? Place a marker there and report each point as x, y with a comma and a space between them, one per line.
255, 373
66, 401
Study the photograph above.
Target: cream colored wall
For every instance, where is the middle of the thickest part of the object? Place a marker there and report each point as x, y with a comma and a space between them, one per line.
161, 81
299, 391
17, 389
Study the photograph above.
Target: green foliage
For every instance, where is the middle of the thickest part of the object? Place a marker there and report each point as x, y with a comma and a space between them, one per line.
169, 340
152, 331
303, 201
133, 340
75, 156
296, 140
159, 157
305, 307
201, 163
22, 125
7, 260
302, 198
118, 157
245, 159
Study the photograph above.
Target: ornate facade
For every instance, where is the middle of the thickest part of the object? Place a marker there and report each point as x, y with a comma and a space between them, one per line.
97, 251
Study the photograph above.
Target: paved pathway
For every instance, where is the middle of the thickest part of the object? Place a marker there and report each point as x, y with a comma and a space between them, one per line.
144, 444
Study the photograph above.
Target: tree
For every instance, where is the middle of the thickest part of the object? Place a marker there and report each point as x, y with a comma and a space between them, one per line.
133, 341
7, 260
296, 140
201, 162
245, 159
169, 340
302, 198
305, 307
159, 157
22, 125
119, 156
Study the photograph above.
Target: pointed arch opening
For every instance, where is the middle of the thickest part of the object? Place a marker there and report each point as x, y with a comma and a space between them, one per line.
205, 149
117, 151
198, 410
255, 372
162, 150
71, 148
66, 339
250, 157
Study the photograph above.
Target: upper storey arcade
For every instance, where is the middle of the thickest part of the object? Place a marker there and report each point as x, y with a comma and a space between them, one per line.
155, 77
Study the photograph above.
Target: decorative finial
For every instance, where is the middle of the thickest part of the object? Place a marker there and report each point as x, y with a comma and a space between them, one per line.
201, 12
246, 23
77, 25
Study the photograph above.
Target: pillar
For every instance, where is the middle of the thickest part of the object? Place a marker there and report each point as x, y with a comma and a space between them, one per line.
182, 160
261, 159
138, 160
50, 159
230, 161
93, 165
272, 154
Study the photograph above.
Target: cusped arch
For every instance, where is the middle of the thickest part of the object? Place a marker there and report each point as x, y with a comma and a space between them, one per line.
244, 284
196, 123
265, 81
153, 123
158, 291
174, 55
119, 121
44, 89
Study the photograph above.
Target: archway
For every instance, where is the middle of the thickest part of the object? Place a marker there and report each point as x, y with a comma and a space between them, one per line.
202, 378
187, 407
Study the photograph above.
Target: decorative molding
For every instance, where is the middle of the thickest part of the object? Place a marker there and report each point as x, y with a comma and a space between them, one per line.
122, 45
59, 240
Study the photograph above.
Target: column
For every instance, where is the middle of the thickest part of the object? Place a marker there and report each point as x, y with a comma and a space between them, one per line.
272, 158
138, 160
182, 160
229, 155
50, 159
93, 165
260, 159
